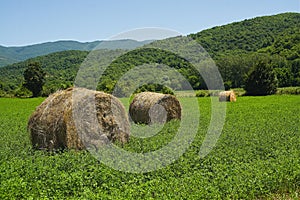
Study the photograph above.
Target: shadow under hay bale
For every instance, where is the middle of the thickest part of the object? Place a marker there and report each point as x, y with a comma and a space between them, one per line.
150, 107
52, 125
227, 96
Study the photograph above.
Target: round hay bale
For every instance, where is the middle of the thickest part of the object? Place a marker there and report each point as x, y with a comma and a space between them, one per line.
52, 125
150, 107
227, 96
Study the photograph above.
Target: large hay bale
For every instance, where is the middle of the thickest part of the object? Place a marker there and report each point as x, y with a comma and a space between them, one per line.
150, 107
227, 96
52, 125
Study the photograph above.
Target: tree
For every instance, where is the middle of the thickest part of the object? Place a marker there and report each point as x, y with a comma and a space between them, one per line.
261, 80
34, 77
284, 76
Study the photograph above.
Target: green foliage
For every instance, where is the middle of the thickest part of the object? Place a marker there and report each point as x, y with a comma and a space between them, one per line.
295, 69
234, 68
235, 46
60, 69
154, 88
34, 77
202, 93
23, 92
148, 59
257, 155
261, 80
251, 35
286, 44
288, 91
227, 85
239, 91
284, 76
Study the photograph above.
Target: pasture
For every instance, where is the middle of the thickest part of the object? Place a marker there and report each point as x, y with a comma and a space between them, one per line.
256, 157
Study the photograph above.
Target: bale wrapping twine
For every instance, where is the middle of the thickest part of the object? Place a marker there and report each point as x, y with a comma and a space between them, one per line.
227, 96
150, 107
52, 125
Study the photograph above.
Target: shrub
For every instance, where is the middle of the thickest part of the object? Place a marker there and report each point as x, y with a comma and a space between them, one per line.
23, 92
288, 91
154, 88
202, 93
261, 80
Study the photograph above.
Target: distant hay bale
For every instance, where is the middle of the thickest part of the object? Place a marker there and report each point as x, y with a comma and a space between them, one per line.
150, 107
52, 125
227, 96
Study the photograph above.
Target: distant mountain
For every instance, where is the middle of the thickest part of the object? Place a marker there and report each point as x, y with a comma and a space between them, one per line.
9, 55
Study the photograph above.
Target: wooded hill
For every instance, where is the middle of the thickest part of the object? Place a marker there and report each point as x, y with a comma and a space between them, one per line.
238, 46
273, 34
235, 48
9, 55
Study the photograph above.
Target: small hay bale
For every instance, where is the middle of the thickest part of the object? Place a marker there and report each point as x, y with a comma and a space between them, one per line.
52, 125
150, 107
227, 96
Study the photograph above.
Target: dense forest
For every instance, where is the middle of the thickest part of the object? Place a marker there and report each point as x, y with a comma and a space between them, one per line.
236, 48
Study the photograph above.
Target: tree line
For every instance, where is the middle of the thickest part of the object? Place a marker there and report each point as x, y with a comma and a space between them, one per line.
237, 71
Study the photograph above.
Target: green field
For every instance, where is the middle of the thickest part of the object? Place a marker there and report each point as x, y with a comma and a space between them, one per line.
256, 157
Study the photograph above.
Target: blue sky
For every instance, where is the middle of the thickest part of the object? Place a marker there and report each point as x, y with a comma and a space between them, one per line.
26, 22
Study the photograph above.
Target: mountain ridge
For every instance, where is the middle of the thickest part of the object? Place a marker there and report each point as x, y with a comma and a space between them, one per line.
9, 55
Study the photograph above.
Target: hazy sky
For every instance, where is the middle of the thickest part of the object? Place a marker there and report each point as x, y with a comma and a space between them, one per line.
26, 22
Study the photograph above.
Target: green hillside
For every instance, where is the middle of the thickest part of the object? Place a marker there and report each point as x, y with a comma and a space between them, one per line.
61, 68
250, 35
235, 48
10, 55
233, 56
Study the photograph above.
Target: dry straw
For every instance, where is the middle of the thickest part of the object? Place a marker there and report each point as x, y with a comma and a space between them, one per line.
52, 125
150, 107
227, 96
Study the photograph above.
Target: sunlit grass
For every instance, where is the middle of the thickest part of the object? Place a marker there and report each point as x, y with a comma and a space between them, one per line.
257, 156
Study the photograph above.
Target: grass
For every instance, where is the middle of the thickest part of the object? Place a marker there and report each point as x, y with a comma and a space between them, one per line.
256, 157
